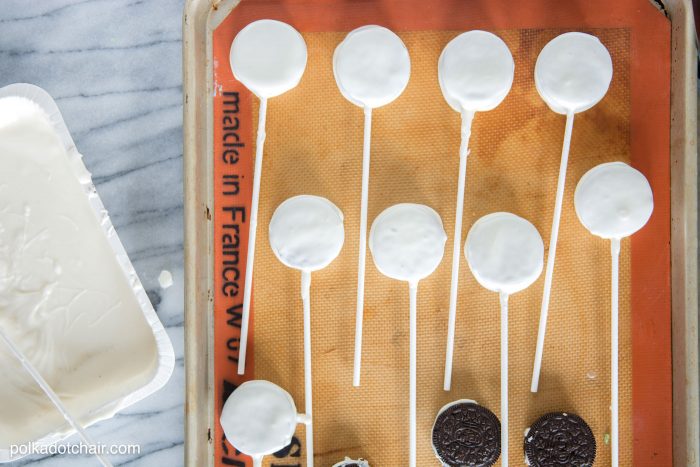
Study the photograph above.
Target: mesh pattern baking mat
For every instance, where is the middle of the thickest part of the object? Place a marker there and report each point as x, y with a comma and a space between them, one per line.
314, 146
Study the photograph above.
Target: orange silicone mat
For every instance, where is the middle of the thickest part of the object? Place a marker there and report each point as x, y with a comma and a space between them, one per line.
313, 146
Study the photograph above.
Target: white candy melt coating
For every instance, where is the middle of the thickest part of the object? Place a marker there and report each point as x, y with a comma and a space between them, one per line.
407, 241
306, 232
475, 71
259, 418
457, 402
64, 299
613, 200
573, 72
165, 279
268, 57
371, 66
505, 252
348, 461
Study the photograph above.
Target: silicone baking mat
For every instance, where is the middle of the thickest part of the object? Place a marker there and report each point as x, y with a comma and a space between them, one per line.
314, 146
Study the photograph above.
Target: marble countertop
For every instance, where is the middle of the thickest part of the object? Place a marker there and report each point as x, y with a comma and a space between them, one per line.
114, 68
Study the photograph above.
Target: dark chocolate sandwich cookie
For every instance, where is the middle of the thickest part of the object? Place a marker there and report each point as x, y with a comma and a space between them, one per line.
466, 434
559, 439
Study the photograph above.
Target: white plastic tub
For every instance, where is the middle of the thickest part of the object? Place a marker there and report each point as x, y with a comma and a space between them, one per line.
163, 356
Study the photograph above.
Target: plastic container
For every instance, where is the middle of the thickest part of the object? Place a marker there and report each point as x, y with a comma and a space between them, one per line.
164, 348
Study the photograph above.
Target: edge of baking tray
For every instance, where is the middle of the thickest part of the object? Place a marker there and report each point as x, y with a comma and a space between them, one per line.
199, 18
684, 234
198, 204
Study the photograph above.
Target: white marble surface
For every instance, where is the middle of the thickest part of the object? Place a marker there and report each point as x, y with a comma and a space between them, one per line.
114, 68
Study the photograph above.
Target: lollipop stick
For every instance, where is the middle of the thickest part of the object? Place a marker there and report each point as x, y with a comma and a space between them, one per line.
544, 311
504, 379
363, 248
467, 118
305, 297
413, 292
252, 227
257, 461
614, 326
19, 355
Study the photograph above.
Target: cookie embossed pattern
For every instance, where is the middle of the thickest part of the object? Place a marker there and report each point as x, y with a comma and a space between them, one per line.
466, 433
560, 439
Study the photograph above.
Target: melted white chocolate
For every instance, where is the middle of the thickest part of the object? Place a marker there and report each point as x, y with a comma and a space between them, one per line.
407, 241
573, 72
475, 71
352, 462
306, 232
259, 418
505, 252
613, 200
64, 299
371, 66
268, 57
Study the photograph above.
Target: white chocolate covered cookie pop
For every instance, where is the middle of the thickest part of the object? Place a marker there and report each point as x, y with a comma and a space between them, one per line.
614, 201
306, 233
269, 58
572, 74
259, 418
407, 242
371, 68
506, 254
475, 71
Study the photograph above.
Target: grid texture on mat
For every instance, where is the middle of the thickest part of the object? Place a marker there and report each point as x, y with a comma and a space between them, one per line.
314, 146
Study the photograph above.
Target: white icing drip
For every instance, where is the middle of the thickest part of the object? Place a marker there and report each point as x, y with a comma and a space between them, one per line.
348, 461
64, 300
306, 232
613, 200
371, 66
505, 252
165, 279
268, 57
407, 241
259, 418
573, 72
475, 71
457, 402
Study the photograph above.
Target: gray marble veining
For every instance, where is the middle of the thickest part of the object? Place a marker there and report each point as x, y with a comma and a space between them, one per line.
114, 68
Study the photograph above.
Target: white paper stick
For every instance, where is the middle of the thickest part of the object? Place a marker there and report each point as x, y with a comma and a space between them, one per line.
413, 324
252, 228
614, 369
467, 118
258, 461
544, 311
504, 379
308, 397
614, 201
34, 373
359, 312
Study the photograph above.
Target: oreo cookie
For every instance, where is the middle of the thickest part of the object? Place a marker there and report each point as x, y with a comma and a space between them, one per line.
467, 434
559, 439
